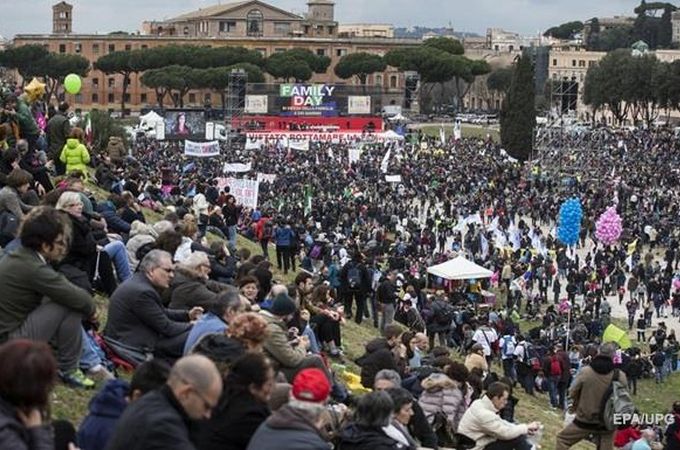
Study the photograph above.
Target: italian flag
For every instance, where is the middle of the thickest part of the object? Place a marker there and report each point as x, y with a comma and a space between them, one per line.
88, 130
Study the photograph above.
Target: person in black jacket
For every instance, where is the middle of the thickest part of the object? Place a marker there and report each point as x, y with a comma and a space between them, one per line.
243, 406
162, 418
387, 298
355, 283
382, 353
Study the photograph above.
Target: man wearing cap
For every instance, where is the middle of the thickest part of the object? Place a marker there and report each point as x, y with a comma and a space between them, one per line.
586, 394
297, 425
286, 349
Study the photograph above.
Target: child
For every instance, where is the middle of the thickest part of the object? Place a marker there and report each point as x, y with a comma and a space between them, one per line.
541, 382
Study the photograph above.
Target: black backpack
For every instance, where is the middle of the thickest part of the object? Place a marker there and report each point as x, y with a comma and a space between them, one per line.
445, 313
9, 226
354, 278
268, 230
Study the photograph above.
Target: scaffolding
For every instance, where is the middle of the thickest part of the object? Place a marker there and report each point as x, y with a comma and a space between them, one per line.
236, 97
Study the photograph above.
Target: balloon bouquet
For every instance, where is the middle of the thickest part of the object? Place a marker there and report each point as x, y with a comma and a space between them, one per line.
608, 227
569, 227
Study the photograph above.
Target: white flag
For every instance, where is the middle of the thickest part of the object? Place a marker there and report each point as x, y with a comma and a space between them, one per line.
385, 161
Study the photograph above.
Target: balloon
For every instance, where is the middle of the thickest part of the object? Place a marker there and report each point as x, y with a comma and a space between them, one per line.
570, 221
608, 227
72, 83
34, 90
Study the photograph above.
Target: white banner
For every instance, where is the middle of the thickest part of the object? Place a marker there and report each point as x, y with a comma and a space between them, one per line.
359, 104
298, 144
256, 104
253, 144
245, 191
160, 131
393, 178
316, 136
354, 155
237, 167
210, 131
201, 149
266, 177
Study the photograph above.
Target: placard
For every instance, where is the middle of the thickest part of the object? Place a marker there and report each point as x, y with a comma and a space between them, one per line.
245, 191
237, 167
201, 149
257, 104
359, 104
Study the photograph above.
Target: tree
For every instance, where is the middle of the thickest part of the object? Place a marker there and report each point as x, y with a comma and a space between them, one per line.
566, 31
103, 127
594, 89
465, 71
57, 66
518, 114
664, 36
615, 38
640, 91
124, 63
298, 64
611, 83
28, 60
445, 44
360, 65
499, 80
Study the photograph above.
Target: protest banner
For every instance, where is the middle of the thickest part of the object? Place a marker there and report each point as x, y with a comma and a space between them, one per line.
201, 149
266, 177
237, 167
354, 155
245, 191
393, 178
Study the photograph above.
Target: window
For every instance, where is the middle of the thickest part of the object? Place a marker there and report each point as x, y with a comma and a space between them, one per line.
127, 97
192, 98
227, 26
378, 80
573, 63
112, 48
263, 51
581, 63
62, 48
254, 22
207, 99
282, 28
111, 98
331, 30
95, 98
320, 52
591, 63
95, 49
393, 81
128, 47
78, 47
340, 52
186, 31
79, 98
144, 46
142, 98
554, 62
112, 82
95, 83
63, 15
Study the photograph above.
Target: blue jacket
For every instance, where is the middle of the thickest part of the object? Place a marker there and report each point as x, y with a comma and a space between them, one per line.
283, 236
208, 324
115, 223
105, 409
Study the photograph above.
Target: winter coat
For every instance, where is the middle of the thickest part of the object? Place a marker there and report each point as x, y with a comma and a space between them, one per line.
288, 429
75, 156
104, 411
378, 356
283, 236
589, 388
482, 424
277, 346
58, 129
475, 360
233, 422
442, 394
116, 149
154, 422
11, 201
355, 437
137, 317
188, 289
14, 434
114, 222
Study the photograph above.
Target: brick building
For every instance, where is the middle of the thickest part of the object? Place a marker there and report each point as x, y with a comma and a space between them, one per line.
252, 24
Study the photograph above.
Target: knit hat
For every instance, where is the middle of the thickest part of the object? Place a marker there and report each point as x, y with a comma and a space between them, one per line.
310, 388
282, 305
477, 347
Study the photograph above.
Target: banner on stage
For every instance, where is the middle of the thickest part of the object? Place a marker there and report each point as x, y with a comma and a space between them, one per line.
237, 167
245, 191
201, 149
359, 104
266, 177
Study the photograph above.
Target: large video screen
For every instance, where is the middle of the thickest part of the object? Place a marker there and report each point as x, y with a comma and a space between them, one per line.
184, 124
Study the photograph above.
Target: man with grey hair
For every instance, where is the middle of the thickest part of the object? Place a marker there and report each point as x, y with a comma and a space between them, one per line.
418, 426
587, 395
192, 285
161, 418
137, 317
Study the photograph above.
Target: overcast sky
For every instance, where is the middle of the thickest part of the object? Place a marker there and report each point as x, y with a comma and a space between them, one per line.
524, 16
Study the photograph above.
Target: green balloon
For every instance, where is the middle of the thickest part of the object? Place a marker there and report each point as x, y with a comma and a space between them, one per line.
72, 83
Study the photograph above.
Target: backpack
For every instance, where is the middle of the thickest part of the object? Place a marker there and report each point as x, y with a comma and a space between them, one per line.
315, 253
615, 403
9, 225
354, 278
508, 346
555, 367
658, 359
532, 357
267, 230
446, 313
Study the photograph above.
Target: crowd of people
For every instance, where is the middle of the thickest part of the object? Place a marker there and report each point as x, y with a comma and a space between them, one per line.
226, 354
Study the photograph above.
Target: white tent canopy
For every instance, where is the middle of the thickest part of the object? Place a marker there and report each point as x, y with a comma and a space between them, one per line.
391, 135
397, 117
459, 269
150, 119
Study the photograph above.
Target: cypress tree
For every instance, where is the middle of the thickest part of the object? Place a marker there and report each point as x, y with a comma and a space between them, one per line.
518, 113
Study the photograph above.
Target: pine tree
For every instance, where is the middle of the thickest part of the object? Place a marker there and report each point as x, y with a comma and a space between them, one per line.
518, 114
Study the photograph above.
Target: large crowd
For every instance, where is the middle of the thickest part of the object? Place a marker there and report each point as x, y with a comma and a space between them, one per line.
226, 352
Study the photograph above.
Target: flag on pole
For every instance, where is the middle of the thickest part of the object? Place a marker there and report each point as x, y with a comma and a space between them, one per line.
442, 135
632, 247
308, 199
281, 203
457, 131
385, 161
88, 130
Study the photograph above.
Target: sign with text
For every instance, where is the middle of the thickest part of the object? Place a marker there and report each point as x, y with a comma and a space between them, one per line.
245, 191
201, 149
257, 104
308, 100
237, 167
359, 104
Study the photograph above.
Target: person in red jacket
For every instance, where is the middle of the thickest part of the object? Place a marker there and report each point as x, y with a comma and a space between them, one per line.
263, 232
626, 435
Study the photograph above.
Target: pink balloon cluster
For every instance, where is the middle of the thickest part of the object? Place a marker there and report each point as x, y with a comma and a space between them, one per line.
608, 227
